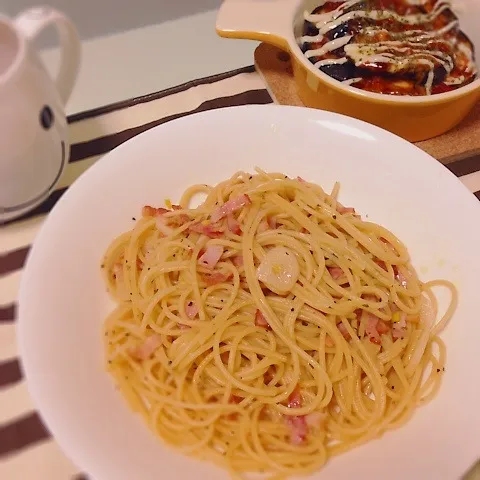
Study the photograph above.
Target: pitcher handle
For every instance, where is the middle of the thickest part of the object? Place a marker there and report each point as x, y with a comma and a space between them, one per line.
31, 22
263, 20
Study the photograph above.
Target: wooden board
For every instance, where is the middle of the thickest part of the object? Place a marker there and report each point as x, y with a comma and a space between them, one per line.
274, 67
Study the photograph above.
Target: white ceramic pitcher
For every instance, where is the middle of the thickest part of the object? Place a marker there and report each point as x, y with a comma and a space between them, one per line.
34, 146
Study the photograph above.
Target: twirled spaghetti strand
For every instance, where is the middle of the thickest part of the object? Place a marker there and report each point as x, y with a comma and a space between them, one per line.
270, 328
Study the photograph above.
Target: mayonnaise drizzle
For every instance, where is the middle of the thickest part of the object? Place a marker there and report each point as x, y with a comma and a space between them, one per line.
329, 46
358, 52
331, 61
412, 35
335, 21
352, 80
471, 67
454, 80
408, 43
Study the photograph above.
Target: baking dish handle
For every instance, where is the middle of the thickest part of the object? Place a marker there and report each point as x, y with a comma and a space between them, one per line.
263, 20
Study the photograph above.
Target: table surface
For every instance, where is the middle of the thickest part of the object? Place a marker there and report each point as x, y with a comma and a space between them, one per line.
110, 65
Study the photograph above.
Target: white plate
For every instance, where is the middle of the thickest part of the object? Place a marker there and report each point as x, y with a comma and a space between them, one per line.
63, 301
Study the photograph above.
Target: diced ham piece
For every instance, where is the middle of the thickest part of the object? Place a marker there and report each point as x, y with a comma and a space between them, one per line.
224, 356
329, 341
315, 419
148, 211
335, 272
229, 207
371, 329
191, 309
343, 210
295, 399
262, 226
269, 374
343, 330
272, 222
387, 243
382, 264
145, 351
298, 429
260, 320
210, 230
233, 225
301, 180
382, 327
399, 329
211, 256
238, 260
162, 225
216, 278
402, 279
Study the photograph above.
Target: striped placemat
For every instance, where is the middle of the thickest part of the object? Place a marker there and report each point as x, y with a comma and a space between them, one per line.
27, 450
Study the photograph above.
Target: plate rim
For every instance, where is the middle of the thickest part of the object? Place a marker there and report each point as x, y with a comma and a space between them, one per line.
468, 198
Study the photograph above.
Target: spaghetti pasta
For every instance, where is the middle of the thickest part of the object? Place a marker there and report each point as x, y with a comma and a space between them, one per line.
269, 328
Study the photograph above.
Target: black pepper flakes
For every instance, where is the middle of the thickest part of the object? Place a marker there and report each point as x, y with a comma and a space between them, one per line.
190, 304
334, 217
148, 268
134, 219
438, 370
292, 309
443, 368
102, 266
393, 387
250, 177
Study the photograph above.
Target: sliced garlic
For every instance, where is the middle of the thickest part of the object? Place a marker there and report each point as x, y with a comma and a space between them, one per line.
279, 270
